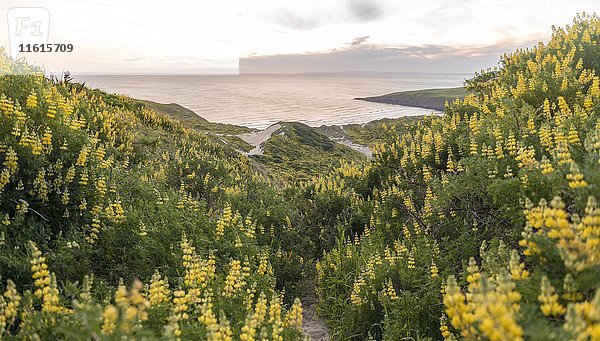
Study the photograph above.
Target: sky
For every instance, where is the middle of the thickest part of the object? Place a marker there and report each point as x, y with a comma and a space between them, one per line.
137, 36
395, 35
283, 36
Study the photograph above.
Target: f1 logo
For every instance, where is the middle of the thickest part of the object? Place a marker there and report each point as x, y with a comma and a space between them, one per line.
27, 25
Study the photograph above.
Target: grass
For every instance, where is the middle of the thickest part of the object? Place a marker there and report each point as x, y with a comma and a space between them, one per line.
299, 151
367, 134
225, 132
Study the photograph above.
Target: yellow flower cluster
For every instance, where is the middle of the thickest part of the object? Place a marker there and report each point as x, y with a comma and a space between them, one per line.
158, 292
570, 293
114, 212
583, 319
275, 321
489, 310
255, 320
577, 239
11, 166
199, 274
31, 102
179, 311
576, 178
293, 317
9, 305
357, 289
235, 279
549, 299
224, 221
110, 316
45, 283
263, 266
41, 274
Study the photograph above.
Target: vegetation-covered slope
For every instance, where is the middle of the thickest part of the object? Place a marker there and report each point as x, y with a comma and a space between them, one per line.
370, 133
297, 152
101, 185
492, 203
191, 119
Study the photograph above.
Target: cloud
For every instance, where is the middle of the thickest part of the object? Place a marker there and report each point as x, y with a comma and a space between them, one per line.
358, 40
296, 22
312, 14
381, 58
135, 59
365, 10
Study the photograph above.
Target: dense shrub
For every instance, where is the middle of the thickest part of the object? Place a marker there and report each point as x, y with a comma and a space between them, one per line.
524, 140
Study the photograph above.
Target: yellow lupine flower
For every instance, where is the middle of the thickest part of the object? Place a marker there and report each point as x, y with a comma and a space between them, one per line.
576, 178
517, 268
109, 319
158, 292
293, 317
549, 299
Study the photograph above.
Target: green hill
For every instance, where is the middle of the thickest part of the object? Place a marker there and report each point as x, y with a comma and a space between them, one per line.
428, 98
297, 151
484, 220
194, 120
99, 191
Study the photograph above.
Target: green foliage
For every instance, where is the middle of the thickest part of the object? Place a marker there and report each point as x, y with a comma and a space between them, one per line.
298, 152
443, 186
104, 186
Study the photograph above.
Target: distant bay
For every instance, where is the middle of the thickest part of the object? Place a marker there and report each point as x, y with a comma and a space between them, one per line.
257, 101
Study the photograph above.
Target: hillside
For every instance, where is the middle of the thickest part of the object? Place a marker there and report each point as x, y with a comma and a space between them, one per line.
368, 134
484, 221
227, 133
297, 151
428, 98
194, 120
98, 192
130, 220
285, 150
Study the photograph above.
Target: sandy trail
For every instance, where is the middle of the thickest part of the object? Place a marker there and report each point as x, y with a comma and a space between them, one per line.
365, 150
258, 138
313, 327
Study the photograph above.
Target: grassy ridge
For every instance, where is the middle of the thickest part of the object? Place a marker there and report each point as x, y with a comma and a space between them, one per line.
192, 120
297, 151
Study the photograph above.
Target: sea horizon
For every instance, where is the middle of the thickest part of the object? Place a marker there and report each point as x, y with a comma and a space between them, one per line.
260, 100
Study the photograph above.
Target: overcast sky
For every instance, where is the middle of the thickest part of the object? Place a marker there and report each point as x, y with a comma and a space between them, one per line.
289, 36
137, 36
395, 35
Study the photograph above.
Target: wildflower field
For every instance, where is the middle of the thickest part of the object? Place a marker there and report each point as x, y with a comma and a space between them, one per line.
482, 223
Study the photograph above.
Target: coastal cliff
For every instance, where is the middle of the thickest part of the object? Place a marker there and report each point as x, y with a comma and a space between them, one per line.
429, 98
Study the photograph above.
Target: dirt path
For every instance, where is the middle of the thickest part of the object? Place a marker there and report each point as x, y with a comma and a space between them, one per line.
365, 150
314, 328
258, 138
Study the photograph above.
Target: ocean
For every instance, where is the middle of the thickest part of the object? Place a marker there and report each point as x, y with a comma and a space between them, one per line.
258, 101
